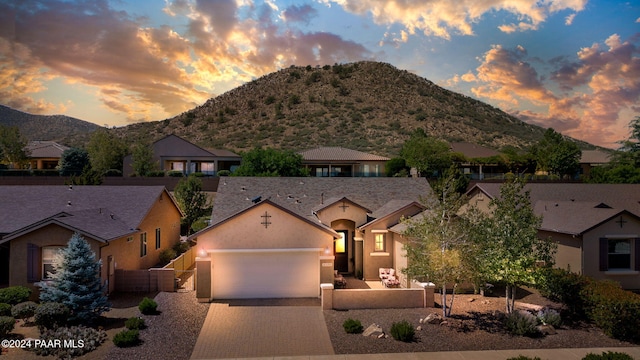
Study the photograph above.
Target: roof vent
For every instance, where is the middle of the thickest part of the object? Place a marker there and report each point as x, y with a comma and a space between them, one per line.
112, 216
70, 187
256, 199
68, 203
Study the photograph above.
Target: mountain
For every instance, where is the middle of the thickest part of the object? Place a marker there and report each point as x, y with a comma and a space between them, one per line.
367, 106
58, 128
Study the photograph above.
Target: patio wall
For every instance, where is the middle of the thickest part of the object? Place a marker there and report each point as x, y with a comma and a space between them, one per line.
155, 279
347, 299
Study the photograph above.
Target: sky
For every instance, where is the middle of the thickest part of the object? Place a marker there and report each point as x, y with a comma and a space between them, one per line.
570, 65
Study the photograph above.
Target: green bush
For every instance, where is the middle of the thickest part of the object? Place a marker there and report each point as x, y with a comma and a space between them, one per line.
181, 247
522, 323
167, 255
135, 323
148, 306
5, 309
403, 331
84, 340
158, 173
565, 287
352, 326
113, 173
127, 338
14, 294
613, 309
24, 310
51, 315
224, 173
6, 325
609, 355
549, 316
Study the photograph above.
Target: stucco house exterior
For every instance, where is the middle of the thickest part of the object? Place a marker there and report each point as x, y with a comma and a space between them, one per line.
596, 226
126, 226
173, 153
342, 162
44, 155
283, 237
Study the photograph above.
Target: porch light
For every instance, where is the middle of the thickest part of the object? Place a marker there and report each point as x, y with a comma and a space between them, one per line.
327, 250
202, 253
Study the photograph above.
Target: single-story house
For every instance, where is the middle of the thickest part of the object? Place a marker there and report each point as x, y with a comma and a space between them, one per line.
476, 170
127, 227
174, 153
596, 226
342, 162
593, 158
283, 237
44, 155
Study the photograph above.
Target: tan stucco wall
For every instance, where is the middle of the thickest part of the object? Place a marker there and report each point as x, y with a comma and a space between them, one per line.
631, 229
569, 252
335, 212
480, 200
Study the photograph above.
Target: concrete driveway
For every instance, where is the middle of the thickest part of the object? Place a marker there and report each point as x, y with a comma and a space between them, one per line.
262, 328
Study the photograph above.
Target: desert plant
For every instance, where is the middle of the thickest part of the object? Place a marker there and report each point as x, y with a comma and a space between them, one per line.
78, 340
51, 315
521, 323
14, 294
352, 326
135, 323
5, 309
403, 331
148, 306
127, 338
6, 325
24, 310
167, 255
549, 316
609, 355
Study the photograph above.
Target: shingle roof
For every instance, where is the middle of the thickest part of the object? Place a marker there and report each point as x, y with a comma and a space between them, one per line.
89, 208
303, 195
470, 150
339, 153
572, 217
173, 145
594, 157
45, 149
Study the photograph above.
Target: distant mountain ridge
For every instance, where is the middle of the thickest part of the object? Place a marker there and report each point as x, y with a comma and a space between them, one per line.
46, 127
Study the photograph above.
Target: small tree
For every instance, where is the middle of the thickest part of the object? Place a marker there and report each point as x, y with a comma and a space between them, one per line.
106, 151
270, 162
509, 248
76, 282
142, 159
426, 154
192, 200
73, 161
12, 146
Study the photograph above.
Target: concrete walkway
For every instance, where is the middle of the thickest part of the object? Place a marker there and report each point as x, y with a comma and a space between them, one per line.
262, 331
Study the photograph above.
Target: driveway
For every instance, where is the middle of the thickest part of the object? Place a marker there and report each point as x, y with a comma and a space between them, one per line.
263, 328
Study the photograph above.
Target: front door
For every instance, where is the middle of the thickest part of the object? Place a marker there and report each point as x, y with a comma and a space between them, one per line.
340, 250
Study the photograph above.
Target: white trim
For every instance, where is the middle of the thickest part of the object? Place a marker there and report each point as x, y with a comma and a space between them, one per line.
358, 239
379, 254
327, 257
222, 251
379, 231
621, 272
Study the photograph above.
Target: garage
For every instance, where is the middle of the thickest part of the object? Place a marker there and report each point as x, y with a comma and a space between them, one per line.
265, 273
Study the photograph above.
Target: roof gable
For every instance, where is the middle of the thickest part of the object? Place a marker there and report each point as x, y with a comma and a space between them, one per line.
575, 218
391, 208
330, 202
173, 145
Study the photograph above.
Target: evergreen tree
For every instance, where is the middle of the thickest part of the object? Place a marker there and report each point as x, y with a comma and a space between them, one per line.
192, 200
76, 282
142, 157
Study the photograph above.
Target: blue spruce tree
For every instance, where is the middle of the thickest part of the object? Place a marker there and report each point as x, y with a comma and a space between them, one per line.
76, 282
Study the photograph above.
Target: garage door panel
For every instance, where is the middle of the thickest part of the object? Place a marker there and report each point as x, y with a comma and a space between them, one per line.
242, 275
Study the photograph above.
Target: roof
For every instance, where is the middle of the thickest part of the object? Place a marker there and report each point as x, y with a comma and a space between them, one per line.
302, 195
594, 157
619, 196
471, 151
88, 209
45, 149
560, 216
329, 202
391, 207
339, 154
175, 146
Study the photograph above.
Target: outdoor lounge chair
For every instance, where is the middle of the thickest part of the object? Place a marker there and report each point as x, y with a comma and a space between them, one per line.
338, 280
388, 277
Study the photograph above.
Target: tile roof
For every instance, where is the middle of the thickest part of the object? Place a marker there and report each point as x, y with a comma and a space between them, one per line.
338, 154
594, 157
304, 194
45, 149
88, 208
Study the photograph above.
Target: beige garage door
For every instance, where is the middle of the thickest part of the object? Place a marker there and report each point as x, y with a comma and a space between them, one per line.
265, 274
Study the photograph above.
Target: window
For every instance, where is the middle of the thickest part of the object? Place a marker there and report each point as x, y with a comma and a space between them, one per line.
157, 238
340, 244
619, 254
207, 168
48, 257
143, 244
177, 166
379, 243
130, 239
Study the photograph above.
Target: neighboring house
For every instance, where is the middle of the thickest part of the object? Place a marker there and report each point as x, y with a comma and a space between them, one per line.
592, 158
342, 162
174, 153
283, 237
126, 226
596, 226
474, 169
44, 155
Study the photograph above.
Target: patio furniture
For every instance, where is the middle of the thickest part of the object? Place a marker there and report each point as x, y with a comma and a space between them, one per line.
388, 277
339, 281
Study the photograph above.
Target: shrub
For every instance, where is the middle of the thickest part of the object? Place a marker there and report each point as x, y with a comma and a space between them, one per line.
403, 331
6, 325
352, 326
83, 339
135, 323
167, 255
224, 173
5, 309
521, 323
181, 247
14, 294
549, 316
127, 338
175, 173
609, 355
148, 306
565, 287
113, 173
24, 310
51, 315
158, 173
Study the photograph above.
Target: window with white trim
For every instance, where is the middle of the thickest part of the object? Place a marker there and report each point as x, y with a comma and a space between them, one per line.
48, 258
379, 242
